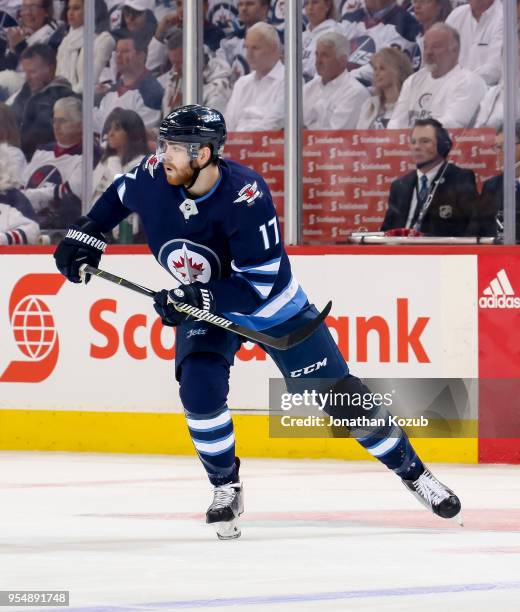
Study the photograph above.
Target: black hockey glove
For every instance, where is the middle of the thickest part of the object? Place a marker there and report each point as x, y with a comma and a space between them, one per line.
83, 244
194, 295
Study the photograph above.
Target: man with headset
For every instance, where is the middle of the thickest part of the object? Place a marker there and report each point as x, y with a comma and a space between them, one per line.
436, 199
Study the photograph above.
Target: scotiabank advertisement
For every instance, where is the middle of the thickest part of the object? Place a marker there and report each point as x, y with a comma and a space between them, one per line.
101, 347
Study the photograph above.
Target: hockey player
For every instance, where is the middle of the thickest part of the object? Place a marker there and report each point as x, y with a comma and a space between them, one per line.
212, 224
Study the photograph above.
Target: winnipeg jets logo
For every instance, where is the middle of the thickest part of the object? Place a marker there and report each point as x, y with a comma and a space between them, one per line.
187, 268
248, 193
188, 261
45, 176
211, 117
151, 164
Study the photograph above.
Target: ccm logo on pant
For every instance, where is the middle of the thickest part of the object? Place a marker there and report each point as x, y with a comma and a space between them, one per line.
310, 368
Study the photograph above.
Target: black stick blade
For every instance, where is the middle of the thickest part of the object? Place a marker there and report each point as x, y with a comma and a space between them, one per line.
302, 333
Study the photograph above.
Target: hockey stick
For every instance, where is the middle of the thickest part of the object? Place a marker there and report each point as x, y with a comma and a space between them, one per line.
283, 343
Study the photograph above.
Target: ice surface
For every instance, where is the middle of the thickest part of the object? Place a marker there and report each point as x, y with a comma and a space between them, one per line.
127, 532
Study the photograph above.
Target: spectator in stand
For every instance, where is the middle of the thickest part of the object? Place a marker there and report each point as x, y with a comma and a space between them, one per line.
53, 179
171, 80
437, 199
377, 24
442, 89
216, 76
213, 34
427, 13
391, 69
490, 218
137, 17
322, 17
34, 103
491, 112
15, 227
126, 147
257, 100
158, 53
333, 99
232, 47
481, 30
10, 140
69, 62
136, 88
36, 26
430, 12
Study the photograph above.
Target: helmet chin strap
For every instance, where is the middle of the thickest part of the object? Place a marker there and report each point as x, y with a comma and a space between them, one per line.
196, 172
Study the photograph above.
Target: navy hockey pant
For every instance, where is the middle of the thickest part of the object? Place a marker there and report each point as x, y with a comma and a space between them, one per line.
204, 355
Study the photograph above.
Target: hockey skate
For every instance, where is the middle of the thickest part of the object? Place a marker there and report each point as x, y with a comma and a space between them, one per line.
227, 506
435, 496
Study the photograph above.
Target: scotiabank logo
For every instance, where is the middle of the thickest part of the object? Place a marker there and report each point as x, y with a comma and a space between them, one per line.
499, 293
33, 328
380, 338
36, 337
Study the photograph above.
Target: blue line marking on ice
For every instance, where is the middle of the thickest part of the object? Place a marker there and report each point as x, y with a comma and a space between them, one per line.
298, 597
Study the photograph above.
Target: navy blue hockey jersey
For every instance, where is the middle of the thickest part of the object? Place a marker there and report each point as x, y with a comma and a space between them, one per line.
228, 239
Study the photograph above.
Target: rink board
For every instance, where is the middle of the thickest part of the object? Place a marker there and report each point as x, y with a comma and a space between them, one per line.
99, 375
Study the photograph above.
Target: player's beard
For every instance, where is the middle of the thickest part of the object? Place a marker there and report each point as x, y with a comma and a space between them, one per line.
178, 176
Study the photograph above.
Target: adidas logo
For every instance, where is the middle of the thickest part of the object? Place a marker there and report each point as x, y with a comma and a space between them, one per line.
499, 294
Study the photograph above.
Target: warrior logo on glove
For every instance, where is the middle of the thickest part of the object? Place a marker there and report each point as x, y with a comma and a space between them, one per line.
83, 244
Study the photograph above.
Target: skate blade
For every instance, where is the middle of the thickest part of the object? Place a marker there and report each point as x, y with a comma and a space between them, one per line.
228, 530
458, 519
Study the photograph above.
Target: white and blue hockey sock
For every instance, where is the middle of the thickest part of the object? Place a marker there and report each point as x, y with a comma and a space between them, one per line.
391, 446
204, 385
214, 441
387, 442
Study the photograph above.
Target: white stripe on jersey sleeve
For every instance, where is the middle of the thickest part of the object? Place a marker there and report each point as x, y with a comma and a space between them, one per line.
277, 303
121, 191
269, 267
263, 289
